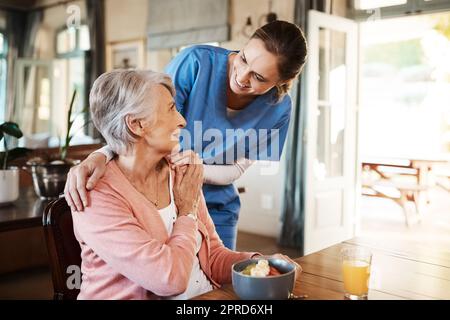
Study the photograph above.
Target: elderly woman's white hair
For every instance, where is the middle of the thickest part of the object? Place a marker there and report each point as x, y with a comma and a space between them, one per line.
119, 93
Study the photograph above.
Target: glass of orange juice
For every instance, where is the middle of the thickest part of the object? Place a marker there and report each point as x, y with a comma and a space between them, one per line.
356, 272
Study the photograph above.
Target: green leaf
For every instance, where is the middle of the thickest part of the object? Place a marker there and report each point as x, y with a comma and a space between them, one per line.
12, 129
70, 121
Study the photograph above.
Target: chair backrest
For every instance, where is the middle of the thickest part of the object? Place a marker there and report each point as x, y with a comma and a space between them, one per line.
63, 249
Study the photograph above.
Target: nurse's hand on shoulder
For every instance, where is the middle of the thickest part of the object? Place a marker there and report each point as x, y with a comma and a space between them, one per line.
184, 158
187, 188
81, 177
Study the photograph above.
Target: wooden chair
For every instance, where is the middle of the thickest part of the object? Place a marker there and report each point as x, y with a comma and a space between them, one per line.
63, 249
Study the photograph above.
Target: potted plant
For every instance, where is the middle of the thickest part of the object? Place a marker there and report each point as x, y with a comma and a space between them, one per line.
50, 172
9, 175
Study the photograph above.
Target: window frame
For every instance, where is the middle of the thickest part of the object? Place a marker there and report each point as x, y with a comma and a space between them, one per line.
4, 58
411, 7
78, 53
73, 53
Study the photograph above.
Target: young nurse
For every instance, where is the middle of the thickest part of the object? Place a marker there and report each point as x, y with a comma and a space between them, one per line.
223, 94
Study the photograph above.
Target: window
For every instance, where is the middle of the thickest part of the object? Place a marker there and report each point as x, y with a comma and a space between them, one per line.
84, 40
3, 71
66, 41
69, 72
367, 10
70, 40
371, 4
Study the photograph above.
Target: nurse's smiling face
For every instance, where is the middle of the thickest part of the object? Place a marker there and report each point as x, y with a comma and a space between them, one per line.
254, 70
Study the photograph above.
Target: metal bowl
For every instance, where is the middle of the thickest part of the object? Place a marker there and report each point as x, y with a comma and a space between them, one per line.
264, 288
49, 179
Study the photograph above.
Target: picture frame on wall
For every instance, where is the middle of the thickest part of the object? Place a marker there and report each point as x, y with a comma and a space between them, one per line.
128, 54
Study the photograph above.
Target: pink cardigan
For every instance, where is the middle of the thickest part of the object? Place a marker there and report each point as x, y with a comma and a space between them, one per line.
126, 251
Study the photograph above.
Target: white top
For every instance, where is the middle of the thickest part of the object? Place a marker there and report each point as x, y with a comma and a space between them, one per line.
198, 282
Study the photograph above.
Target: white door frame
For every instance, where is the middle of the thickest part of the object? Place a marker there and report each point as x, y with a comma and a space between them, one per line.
319, 192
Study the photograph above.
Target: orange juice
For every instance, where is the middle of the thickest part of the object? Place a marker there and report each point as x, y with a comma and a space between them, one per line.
356, 277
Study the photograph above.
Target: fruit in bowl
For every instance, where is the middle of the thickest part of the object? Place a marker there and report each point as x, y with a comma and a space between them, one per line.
261, 269
263, 279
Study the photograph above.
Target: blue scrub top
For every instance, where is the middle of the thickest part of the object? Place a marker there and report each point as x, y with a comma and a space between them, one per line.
200, 77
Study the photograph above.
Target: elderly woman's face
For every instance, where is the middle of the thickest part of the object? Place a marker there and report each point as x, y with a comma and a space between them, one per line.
162, 129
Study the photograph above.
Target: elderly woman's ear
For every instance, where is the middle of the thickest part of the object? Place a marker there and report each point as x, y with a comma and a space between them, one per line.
135, 126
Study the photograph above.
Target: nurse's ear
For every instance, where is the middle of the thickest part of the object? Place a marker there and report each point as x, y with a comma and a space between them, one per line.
135, 126
284, 86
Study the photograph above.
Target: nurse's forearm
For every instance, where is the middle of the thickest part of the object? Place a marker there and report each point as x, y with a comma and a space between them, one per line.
212, 174
225, 174
107, 152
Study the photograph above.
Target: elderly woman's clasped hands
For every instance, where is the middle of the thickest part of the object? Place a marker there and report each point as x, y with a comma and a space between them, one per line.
187, 185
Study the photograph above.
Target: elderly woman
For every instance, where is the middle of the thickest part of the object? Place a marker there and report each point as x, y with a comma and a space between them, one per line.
147, 233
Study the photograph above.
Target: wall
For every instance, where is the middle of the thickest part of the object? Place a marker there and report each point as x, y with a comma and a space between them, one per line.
240, 10
118, 15
340, 8
126, 20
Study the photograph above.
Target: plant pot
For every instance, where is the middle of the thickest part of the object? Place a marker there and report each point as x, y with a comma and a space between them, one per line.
9, 185
49, 179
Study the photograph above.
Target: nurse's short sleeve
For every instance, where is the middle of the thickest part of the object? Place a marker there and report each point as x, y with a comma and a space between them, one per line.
271, 142
183, 70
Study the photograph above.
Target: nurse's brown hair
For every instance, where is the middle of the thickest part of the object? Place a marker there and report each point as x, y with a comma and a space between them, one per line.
288, 43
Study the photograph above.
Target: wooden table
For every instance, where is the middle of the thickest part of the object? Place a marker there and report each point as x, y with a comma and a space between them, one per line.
419, 168
22, 242
398, 274
25, 212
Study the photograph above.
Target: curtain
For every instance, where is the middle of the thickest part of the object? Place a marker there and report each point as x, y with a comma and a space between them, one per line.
95, 61
293, 211
15, 23
175, 23
96, 24
33, 23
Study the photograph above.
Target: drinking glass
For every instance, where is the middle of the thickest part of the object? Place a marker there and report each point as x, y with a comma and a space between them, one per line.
356, 264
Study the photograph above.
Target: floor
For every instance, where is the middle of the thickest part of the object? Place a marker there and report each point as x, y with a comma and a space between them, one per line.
37, 284
264, 245
383, 223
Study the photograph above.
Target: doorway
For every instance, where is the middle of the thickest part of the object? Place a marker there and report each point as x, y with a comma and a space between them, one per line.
404, 130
